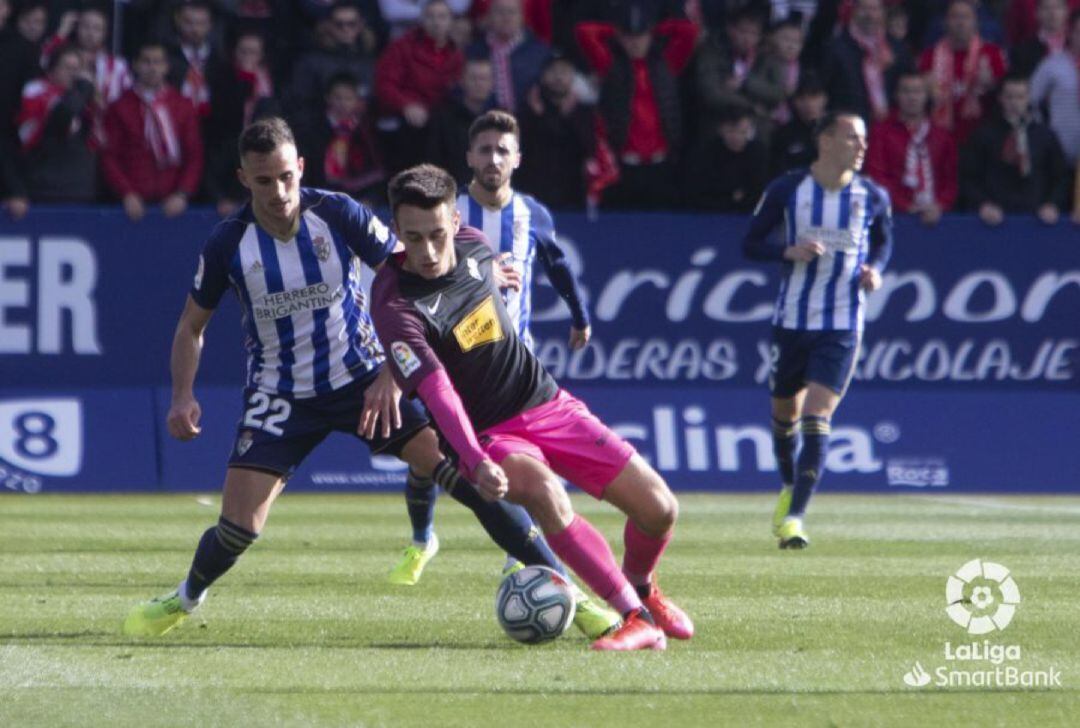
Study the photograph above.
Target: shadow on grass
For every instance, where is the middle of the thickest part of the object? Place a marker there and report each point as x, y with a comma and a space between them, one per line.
99, 638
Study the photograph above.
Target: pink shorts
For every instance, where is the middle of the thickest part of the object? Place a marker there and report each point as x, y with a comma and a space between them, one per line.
564, 435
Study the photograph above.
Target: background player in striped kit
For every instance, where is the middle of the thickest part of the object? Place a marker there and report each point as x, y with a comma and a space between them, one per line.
293, 256
520, 230
837, 238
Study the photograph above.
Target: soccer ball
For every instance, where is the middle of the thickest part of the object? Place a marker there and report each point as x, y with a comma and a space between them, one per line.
534, 605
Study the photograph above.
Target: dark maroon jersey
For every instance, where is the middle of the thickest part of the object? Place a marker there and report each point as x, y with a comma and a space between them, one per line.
458, 323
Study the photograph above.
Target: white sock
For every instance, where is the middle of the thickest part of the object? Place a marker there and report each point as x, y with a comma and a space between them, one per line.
189, 605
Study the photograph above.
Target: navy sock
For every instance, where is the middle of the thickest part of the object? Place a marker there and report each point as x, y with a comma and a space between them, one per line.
785, 440
508, 525
811, 461
219, 548
420, 502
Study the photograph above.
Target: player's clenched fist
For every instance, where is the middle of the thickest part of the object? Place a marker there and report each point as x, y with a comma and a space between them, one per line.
506, 275
869, 278
804, 252
490, 480
183, 419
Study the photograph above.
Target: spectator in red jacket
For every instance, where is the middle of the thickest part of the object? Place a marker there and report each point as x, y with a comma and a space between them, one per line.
964, 70
913, 158
414, 76
153, 151
109, 72
54, 125
639, 63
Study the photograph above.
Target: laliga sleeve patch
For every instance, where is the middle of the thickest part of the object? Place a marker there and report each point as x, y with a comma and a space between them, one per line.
378, 230
199, 273
406, 360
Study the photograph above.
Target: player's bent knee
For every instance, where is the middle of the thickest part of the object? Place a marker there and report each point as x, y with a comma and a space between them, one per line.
422, 452
642, 494
535, 487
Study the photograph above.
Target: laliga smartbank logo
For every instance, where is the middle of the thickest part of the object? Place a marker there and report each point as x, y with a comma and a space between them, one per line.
981, 597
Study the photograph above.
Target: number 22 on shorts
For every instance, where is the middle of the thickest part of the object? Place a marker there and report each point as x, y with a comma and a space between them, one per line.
266, 413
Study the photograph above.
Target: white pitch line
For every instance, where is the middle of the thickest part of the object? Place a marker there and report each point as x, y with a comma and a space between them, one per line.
998, 505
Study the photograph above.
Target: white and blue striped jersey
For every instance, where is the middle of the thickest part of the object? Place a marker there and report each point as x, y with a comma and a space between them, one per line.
524, 229
308, 331
855, 226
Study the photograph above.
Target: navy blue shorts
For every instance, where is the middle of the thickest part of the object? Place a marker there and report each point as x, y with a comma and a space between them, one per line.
823, 357
276, 431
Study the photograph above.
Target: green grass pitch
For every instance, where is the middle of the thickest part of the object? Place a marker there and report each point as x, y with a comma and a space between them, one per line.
305, 631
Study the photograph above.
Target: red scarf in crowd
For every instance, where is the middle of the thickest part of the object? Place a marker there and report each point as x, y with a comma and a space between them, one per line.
954, 84
877, 57
159, 129
500, 63
918, 171
349, 164
195, 86
38, 99
261, 87
741, 66
1016, 151
782, 113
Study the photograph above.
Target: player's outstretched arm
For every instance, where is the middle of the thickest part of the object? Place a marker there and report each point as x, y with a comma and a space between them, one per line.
184, 412
381, 404
443, 402
562, 279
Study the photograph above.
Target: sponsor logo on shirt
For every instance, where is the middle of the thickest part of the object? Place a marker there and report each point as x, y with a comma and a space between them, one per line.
322, 248
474, 268
405, 358
286, 303
480, 326
835, 240
199, 272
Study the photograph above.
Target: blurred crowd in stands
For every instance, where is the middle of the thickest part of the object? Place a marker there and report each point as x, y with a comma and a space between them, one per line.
634, 104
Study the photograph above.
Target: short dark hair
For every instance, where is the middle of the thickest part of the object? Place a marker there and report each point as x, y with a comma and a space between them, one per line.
494, 120
810, 84
788, 22
344, 5
64, 50
342, 78
1014, 77
425, 186
265, 135
197, 4
734, 114
969, 3
149, 44
828, 122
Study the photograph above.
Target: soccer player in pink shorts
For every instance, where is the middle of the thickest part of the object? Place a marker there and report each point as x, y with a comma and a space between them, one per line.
438, 312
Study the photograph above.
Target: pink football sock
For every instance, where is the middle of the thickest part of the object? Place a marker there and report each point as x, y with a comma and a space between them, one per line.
584, 550
642, 553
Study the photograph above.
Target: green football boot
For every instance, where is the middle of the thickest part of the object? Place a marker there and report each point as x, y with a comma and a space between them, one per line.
593, 619
155, 617
411, 566
792, 535
783, 505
